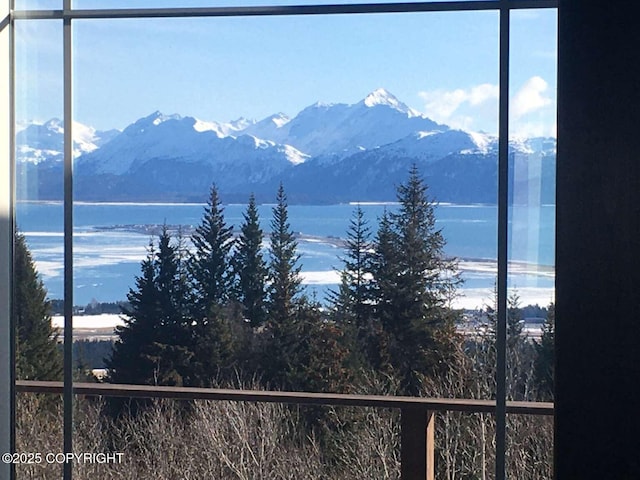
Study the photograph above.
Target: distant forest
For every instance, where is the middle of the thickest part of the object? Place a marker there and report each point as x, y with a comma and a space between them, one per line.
98, 308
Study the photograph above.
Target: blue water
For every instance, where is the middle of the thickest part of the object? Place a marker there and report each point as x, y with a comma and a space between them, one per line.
106, 262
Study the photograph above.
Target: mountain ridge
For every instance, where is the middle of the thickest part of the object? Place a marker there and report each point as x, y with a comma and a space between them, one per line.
327, 153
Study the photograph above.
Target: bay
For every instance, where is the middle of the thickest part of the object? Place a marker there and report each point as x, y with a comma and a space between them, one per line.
110, 240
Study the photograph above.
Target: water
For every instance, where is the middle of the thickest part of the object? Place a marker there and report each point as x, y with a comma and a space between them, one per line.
106, 260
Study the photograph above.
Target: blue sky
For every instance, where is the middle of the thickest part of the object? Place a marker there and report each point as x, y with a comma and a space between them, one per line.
444, 65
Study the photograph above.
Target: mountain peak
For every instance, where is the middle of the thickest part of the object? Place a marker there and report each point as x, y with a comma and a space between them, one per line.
381, 96
157, 117
54, 125
241, 123
150, 121
279, 119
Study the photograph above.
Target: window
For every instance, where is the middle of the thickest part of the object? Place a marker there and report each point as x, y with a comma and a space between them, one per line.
121, 66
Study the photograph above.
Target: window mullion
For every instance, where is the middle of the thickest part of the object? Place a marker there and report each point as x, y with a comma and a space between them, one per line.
7, 397
68, 240
503, 217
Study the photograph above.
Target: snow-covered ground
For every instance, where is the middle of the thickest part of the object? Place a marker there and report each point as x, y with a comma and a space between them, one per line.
90, 322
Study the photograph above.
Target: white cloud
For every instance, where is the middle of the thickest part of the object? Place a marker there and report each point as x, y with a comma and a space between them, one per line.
476, 108
530, 97
460, 108
482, 93
440, 104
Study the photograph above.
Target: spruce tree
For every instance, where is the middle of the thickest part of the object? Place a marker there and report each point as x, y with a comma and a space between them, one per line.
250, 267
515, 324
352, 301
415, 284
211, 277
154, 344
323, 360
351, 305
209, 265
515, 327
37, 353
284, 271
130, 360
384, 286
282, 343
173, 343
426, 273
385, 265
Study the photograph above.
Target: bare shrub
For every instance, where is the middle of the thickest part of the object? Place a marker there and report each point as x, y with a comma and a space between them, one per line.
38, 430
167, 441
529, 453
244, 440
366, 444
465, 443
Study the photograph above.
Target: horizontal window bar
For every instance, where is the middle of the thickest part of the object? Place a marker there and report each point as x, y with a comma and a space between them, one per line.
279, 10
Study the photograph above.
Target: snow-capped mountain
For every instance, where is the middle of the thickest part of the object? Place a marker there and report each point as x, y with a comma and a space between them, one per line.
36, 142
341, 129
157, 138
325, 153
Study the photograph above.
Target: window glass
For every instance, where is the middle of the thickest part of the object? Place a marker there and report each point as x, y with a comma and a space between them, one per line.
39, 145
37, 4
38, 266
531, 273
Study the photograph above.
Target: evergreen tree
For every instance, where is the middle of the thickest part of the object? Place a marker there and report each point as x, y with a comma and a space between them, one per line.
385, 268
284, 271
515, 326
173, 342
415, 283
308, 352
329, 365
282, 343
286, 352
519, 353
250, 267
384, 286
215, 349
37, 353
213, 315
351, 305
516, 342
426, 274
130, 360
209, 265
153, 347
181, 284
352, 301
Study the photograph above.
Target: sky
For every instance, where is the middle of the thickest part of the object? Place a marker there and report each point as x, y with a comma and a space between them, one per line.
444, 65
